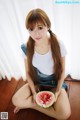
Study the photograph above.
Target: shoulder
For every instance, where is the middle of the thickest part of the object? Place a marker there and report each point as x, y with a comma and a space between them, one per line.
62, 48
61, 42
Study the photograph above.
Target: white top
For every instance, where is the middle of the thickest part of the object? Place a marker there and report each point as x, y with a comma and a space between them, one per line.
45, 63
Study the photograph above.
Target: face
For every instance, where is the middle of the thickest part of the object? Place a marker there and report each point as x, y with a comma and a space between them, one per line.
39, 33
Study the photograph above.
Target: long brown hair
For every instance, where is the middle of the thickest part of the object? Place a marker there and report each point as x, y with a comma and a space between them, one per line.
35, 16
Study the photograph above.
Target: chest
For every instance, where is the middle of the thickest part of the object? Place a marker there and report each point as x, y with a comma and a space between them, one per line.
44, 60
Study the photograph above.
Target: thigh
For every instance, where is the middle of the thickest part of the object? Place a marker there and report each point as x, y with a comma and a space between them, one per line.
62, 104
23, 92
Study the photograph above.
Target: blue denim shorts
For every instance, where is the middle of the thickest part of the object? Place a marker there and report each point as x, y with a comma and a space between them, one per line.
48, 81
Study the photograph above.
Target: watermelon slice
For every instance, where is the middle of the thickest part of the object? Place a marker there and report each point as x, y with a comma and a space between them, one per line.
45, 98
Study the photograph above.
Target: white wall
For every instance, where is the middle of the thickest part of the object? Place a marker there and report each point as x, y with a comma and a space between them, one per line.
75, 42
67, 27
65, 23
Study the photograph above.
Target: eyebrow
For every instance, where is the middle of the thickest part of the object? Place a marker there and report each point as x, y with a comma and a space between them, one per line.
40, 25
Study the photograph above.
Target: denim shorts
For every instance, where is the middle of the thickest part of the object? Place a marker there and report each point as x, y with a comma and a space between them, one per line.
48, 81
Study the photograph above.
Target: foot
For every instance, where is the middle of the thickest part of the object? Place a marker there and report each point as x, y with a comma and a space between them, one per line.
16, 110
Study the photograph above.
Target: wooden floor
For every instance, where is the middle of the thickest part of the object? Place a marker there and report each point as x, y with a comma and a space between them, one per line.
8, 88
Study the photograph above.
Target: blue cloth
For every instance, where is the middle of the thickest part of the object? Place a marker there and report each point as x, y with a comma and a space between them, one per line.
48, 81
23, 47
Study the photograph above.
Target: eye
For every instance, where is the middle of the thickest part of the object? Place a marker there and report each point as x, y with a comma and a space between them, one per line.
30, 29
40, 27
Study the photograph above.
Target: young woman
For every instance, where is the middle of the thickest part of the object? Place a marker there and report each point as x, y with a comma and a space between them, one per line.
45, 68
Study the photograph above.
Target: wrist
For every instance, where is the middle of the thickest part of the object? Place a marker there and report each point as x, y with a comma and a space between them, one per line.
58, 90
34, 92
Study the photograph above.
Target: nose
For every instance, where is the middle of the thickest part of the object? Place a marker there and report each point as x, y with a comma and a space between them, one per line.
36, 31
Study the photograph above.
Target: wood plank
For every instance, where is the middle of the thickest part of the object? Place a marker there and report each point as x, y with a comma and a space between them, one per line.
74, 97
2, 85
6, 90
30, 114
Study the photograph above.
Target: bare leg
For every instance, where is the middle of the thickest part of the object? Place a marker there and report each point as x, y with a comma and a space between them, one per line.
20, 97
23, 99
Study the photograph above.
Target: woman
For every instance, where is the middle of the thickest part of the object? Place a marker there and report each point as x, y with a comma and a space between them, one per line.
45, 68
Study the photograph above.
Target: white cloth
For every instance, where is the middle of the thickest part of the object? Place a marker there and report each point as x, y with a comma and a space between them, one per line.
45, 63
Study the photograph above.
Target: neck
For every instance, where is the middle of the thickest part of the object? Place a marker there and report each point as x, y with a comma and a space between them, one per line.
43, 43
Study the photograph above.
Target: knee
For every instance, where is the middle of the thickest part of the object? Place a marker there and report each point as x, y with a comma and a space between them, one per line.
66, 115
15, 100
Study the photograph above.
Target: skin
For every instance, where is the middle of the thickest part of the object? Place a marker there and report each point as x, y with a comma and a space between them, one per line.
23, 98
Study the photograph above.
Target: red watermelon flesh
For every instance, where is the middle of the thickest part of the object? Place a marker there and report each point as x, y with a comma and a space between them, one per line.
45, 98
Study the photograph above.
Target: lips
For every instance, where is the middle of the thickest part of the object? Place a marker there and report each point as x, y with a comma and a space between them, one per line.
38, 38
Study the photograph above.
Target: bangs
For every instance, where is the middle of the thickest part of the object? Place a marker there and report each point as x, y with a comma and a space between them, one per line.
33, 20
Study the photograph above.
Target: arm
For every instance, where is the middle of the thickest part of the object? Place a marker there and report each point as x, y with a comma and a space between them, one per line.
31, 84
60, 82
